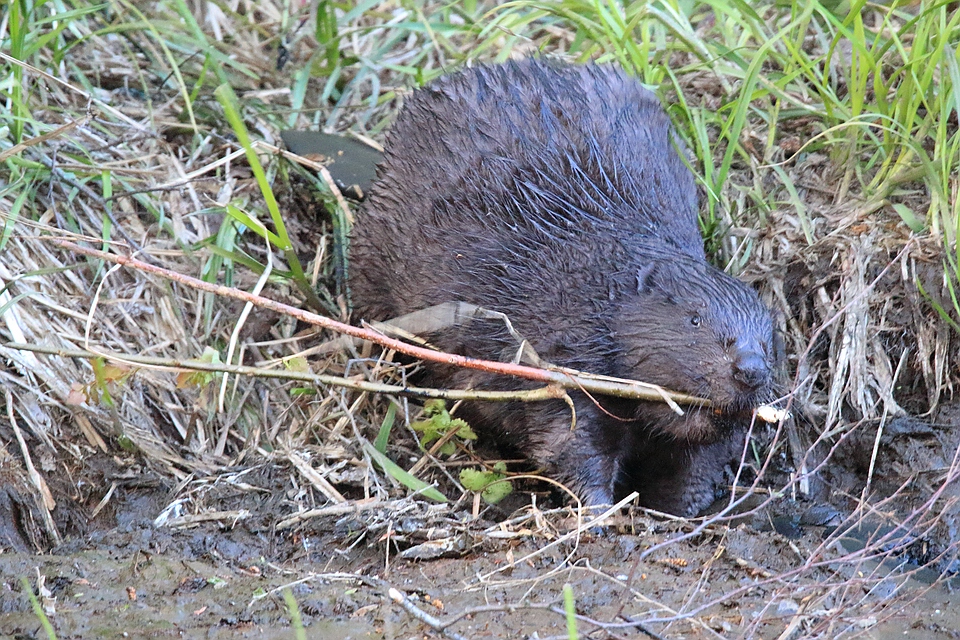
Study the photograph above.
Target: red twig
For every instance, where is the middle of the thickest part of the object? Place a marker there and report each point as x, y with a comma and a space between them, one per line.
563, 379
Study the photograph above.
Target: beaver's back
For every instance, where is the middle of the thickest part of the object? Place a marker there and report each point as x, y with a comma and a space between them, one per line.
533, 166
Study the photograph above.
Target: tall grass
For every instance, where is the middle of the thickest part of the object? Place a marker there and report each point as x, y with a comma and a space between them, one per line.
175, 56
875, 86
878, 80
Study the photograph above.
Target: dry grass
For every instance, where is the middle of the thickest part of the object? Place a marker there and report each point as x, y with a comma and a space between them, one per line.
113, 137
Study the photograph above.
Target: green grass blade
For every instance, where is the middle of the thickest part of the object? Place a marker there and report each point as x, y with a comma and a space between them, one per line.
394, 470
228, 100
383, 436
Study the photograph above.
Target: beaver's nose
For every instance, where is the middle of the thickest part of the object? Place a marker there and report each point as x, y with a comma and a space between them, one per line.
750, 370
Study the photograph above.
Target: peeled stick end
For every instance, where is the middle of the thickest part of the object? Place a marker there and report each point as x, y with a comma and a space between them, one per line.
770, 413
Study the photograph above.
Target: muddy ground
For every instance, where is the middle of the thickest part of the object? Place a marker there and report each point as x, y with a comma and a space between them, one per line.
773, 567
142, 583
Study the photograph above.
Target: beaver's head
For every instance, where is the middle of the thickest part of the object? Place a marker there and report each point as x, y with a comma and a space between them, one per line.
691, 328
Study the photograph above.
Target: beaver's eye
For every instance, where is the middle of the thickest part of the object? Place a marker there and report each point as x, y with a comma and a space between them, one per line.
696, 320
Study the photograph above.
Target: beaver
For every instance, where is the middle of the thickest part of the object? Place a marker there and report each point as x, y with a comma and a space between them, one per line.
555, 194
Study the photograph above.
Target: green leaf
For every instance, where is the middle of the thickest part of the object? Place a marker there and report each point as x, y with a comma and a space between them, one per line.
411, 482
570, 610
909, 218
231, 111
384, 435
210, 356
252, 224
438, 424
297, 363
492, 485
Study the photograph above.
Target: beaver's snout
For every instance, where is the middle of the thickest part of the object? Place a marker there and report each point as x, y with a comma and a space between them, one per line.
751, 371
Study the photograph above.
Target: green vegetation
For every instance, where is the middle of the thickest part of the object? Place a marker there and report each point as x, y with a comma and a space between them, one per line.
293, 609
570, 609
38, 608
873, 86
492, 485
438, 424
396, 472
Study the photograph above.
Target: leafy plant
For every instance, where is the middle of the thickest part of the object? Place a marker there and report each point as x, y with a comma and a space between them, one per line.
200, 378
438, 423
108, 378
492, 485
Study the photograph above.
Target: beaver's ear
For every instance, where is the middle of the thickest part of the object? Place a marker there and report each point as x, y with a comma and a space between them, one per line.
647, 280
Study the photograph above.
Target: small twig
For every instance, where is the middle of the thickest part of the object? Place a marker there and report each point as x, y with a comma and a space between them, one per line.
437, 624
101, 104
572, 534
871, 469
642, 628
421, 615
497, 608
51, 164
342, 509
104, 501
210, 516
608, 626
56, 133
315, 166
317, 480
235, 338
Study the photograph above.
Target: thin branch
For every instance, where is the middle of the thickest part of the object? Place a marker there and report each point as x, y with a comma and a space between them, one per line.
566, 379
171, 364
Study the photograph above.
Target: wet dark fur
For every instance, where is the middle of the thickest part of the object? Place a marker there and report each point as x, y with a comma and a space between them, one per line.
555, 194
